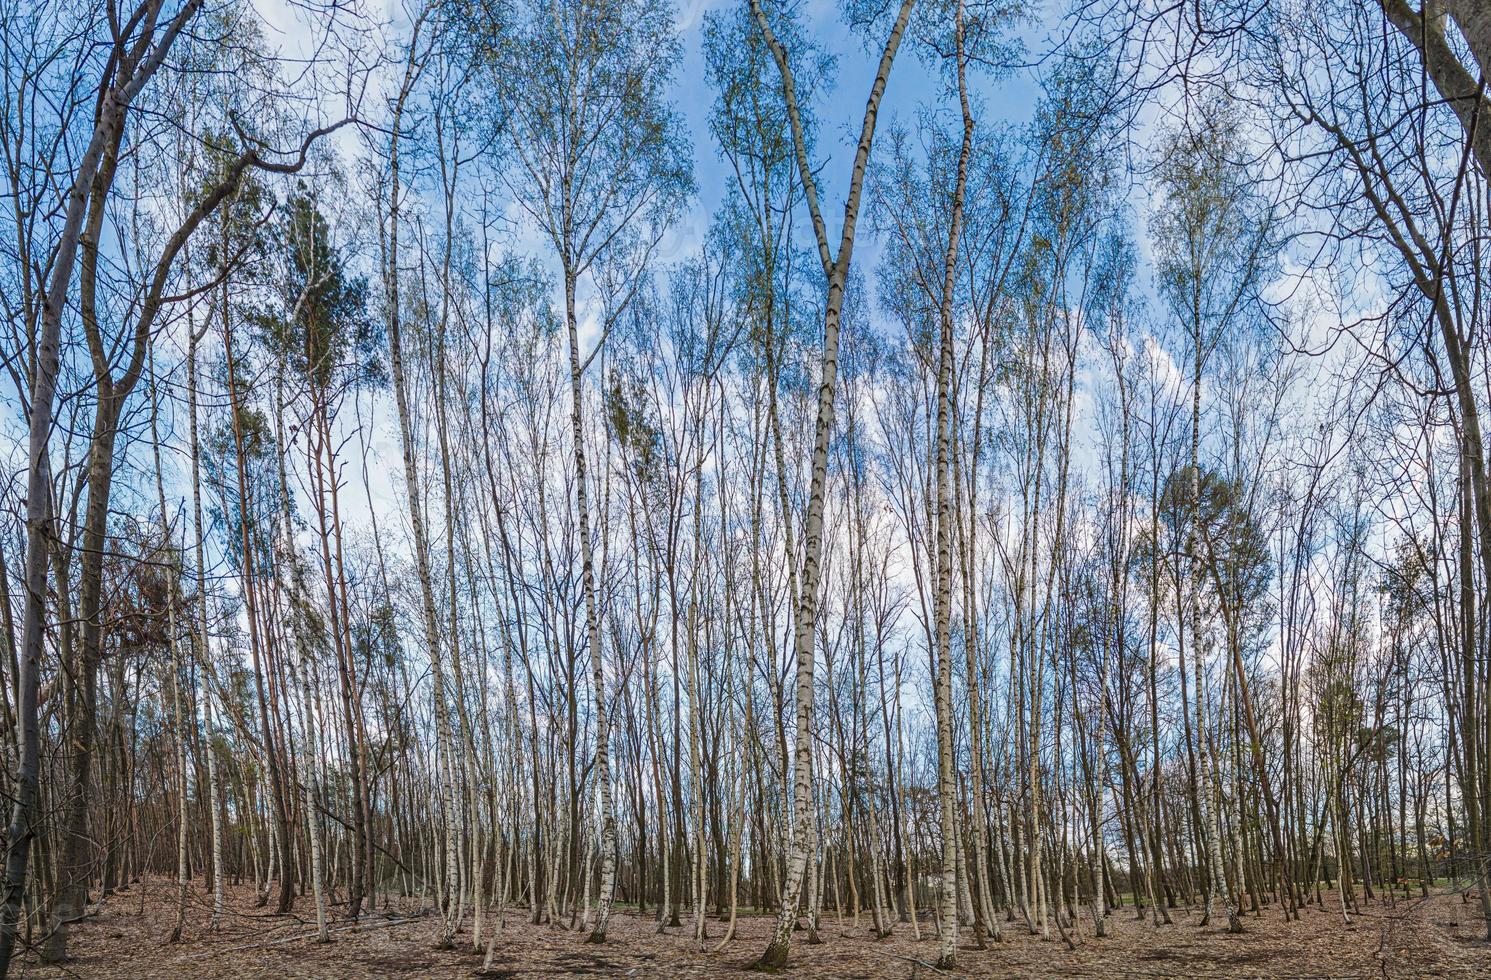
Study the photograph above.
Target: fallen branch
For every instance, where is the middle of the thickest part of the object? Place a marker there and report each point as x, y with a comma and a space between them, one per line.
913, 959
356, 926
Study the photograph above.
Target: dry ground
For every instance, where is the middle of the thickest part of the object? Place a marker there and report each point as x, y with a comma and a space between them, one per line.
1438, 937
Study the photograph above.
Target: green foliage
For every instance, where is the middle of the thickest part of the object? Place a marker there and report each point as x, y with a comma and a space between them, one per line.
259, 448
318, 325
640, 439
988, 40
238, 239
1209, 514
602, 157
750, 125
748, 118
1338, 710
1216, 238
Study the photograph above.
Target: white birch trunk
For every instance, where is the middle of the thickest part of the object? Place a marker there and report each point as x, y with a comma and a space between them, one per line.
836, 270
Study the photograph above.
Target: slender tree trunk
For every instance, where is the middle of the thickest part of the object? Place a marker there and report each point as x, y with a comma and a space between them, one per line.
836, 270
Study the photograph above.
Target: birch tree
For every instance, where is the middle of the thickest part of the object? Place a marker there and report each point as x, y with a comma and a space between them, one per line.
600, 169
835, 263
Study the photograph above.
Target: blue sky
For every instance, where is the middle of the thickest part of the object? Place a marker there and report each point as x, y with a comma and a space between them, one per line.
840, 110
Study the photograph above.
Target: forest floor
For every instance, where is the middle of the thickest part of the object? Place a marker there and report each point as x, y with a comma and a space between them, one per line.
1439, 936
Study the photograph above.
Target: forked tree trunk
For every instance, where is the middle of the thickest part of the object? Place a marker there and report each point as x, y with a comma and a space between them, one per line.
836, 270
